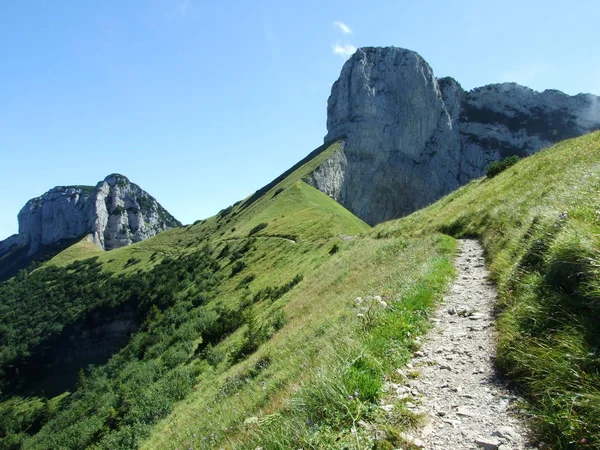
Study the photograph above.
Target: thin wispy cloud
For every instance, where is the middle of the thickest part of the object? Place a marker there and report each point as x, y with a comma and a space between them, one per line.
342, 27
182, 7
344, 50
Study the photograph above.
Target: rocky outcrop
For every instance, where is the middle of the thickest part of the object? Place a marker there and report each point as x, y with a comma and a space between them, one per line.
411, 138
115, 213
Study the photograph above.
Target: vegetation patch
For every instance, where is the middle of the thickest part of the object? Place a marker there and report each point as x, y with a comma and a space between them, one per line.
294, 352
273, 293
257, 228
133, 389
495, 167
237, 267
539, 224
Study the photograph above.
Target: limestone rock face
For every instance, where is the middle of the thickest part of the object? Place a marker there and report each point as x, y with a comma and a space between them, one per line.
411, 138
329, 176
115, 213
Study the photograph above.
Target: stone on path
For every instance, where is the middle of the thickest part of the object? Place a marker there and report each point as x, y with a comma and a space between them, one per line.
467, 406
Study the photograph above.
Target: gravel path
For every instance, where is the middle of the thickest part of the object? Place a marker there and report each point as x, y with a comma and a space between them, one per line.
466, 406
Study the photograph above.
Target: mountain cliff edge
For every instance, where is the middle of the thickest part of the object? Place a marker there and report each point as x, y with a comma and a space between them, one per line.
411, 138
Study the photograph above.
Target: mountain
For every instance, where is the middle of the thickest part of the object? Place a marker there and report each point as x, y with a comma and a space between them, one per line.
112, 214
286, 321
244, 330
411, 138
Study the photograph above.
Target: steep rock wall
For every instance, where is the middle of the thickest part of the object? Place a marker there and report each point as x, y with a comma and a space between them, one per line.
115, 213
411, 138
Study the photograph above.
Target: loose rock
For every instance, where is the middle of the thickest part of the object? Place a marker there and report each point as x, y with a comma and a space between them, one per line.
468, 406
488, 443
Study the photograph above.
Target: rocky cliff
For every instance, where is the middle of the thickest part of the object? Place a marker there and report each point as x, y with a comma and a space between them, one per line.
411, 138
115, 213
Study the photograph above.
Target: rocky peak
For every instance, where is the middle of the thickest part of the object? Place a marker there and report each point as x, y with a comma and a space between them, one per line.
411, 138
116, 179
115, 213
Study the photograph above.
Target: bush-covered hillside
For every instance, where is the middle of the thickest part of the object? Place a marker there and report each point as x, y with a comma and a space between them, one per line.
275, 323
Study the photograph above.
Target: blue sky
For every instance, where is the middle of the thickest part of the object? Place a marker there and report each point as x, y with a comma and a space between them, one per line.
201, 103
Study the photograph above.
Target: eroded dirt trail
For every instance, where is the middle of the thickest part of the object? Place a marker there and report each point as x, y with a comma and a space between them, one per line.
466, 406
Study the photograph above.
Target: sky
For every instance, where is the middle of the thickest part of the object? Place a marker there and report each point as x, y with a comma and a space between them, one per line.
203, 102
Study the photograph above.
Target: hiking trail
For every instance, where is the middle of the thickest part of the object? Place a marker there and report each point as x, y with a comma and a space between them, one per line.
456, 387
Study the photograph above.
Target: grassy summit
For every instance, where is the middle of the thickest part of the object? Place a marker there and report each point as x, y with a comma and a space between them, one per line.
249, 333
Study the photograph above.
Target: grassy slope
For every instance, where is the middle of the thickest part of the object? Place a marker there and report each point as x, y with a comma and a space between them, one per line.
298, 211
539, 223
322, 330
294, 390
309, 359
325, 351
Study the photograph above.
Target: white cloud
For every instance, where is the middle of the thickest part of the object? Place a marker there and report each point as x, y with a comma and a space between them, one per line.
342, 26
344, 50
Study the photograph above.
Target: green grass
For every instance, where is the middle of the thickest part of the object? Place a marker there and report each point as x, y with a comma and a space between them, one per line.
292, 210
322, 355
299, 362
539, 222
302, 340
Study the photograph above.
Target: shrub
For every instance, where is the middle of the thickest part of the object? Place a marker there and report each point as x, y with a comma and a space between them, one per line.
224, 251
254, 334
273, 293
334, 249
278, 320
132, 262
247, 280
238, 267
212, 355
257, 228
496, 167
224, 212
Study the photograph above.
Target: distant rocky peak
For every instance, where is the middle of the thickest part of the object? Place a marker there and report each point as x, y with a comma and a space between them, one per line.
115, 213
116, 179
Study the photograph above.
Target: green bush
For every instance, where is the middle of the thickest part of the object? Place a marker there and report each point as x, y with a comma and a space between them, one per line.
237, 268
139, 384
131, 262
246, 281
257, 228
273, 293
499, 166
224, 251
